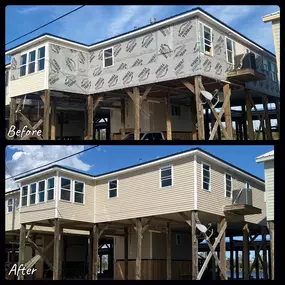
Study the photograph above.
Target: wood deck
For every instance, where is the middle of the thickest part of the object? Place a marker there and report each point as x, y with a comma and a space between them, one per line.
241, 209
245, 75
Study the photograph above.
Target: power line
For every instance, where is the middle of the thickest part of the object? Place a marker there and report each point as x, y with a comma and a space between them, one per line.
45, 24
51, 162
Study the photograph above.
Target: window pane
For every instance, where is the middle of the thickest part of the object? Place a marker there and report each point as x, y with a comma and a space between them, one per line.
41, 186
206, 186
108, 52
113, 193
41, 52
32, 199
230, 59
31, 68
78, 198
165, 173
41, 64
23, 70
207, 49
206, 173
113, 184
229, 45
78, 186
33, 188
23, 59
108, 62
65, 183
65, 195
207, 180
50, 195
166, 182
10, 208
24, 201
25, 190
50, 183
41, 196
228, 194
32, 56
206, 167
10, 201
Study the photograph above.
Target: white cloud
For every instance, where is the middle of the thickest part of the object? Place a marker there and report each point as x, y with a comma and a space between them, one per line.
30, 9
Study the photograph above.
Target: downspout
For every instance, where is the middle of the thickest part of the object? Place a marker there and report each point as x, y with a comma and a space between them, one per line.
195, 183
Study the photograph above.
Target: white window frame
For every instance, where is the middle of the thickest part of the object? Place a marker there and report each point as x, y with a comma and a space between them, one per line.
21, 65
113, 58
172, 176
21, 196
211, 36
12, 205
70, 198
273, 73
32, 194
73, 194
245, 185
47, 189
38, 59
265, 69
202, 176
176, 239
38, 198
115, 179
233, 57
34, 61
225, 183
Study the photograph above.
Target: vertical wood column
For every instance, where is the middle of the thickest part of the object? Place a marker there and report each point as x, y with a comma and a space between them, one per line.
90, 254
193, 118
264, 252
139, 249
61, 125
256, 267
249, 115
264, 136
22, 242
222, 247
168, 252
53, 120
214, 277
57, 251
90, 117
46, 126
168, 117
237, 265
237, 130
228, 114
277, 107
199, 108
232, 257
12, 118
219, 133
269, 264
137, 108
123, 118
194, 247
244, 123
95, 235
207, 121
245, 253
240, 130
267, 119
126, 252
271, 232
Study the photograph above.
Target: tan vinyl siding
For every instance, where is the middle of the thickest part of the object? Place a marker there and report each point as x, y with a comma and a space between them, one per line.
240, 49
276, 37
140, 195
269, 187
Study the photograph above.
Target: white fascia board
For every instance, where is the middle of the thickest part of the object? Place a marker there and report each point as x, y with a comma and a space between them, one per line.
263, 159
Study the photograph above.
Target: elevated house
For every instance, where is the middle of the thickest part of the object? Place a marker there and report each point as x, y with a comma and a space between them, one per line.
149, 79
147, 220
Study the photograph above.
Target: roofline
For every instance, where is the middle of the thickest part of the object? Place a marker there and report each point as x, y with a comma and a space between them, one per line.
263, 159
12, 191
142, 30
140, 166
271, 17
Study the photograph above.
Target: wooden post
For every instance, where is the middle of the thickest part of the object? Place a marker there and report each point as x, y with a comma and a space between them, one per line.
22, 242
207, 121
95, 235
139, 249
123, 118
137, 108
249, 115
199, 108
228, 114
90, 117
194, 247
213, 268
53, 120
232, 257
222, 247
277, 107
237, 130
193, 118
12, 119
168, 117
256, 266
126, 251
271, 232
264, 251
237, 265
264, 137
267, 119
244, 122
269, 264
219, 133
90, 257
241, 130
46, 126
57, 248
168, 252
245, 254
61, 114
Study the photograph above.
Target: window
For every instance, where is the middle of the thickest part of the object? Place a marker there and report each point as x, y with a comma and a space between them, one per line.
65, 189
265, 67
41, 194
78, 192
206, 36
108, 59
206, 177
113, 188
166, 176
247, 50
10, 205
24, 196
6, 78
230, 50
273, 72
178, 239
33, 189
228, 185
23, 64
41, 58
32, 59
50, 189
247, 185
175, 110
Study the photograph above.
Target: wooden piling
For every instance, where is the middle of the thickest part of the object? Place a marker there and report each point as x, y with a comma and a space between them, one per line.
137, 107
228, 114
22, 242
53, 120
232, 257
168, 252
46, 126
123, 118
222, 247
194, 247
271, 232
126, 252
193, 118
139, 248
95, 235
264, 252
245, 136
90, 117
57, 251
12, 118
267, 119
199, 108
237, 265
90, 254
249, 115
168, 117
245, 253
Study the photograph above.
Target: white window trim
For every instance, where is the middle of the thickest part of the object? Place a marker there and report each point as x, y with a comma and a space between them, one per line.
38, 200
13, 205
177, 239
38, 59
273, 73
202, 176
73, 194
248, 184
172, 177
115, 179
54, 189
21, 195
225, 187
70, 199
233, 57
113, 58
35, 70
211, 35
32, 193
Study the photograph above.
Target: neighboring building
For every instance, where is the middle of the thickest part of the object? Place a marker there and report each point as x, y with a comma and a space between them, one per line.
156, 192
155, 59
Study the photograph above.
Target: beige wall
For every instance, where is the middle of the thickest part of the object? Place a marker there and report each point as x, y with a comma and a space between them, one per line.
276, 37
12, 219
269, 186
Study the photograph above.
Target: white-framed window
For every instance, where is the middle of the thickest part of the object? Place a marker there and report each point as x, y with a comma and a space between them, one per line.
33, 190
23, 64
265, 67
273, 72
230, 50
41, 191
113, 188
175, 110
50, 188
228, 185
247, 185
247, 50
65, 189
108, 57
32, 62
78, 192
178, 239
166, 179
10, 205
24, 199
41, 58
206, 176
206, 39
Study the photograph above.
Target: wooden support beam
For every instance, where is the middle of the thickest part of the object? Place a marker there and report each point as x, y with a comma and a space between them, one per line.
237, 265
168, 252
97, 101
228, 114
245, 254
53, 120
249, 115
232, 257
269, 264
95, 235
199, 108
244, 122
267, 119
194, 247
264, 252
222, 247
90, 254
22, 243
90, 117
123, 118
271, 232
207, 128
57, 251
12, 118
126, 252
46, 126
168, 117
193, 118
139, 248
240, 130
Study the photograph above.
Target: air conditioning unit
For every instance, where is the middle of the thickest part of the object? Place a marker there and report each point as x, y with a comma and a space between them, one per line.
247, 62
242, 196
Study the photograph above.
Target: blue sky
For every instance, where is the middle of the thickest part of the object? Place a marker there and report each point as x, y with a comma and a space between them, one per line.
108, 158
94, 23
